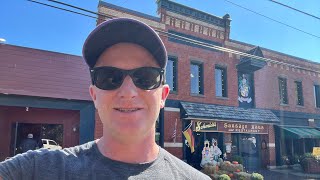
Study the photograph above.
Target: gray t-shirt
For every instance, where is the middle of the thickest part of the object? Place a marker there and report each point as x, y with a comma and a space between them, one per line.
87, 162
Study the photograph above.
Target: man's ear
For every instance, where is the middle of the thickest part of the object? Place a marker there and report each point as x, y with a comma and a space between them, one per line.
165, 93
92, 93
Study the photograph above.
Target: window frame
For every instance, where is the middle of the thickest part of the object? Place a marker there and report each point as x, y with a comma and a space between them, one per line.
225, 79
316, 95
280, 91
175, 74
297, 93
200, 75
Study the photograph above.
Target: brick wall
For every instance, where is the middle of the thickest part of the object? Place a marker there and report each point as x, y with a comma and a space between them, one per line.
269, 97
33, 72
209, 59
268, 154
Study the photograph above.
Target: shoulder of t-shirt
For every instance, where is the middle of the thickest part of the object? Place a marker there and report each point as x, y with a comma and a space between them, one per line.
55, 154
183, 167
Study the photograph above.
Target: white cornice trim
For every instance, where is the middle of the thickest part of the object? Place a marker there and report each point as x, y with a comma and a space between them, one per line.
171, 109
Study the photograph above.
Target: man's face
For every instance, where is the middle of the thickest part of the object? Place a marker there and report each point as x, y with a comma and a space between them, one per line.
128, 111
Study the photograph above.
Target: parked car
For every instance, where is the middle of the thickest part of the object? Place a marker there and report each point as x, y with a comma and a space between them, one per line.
50, 144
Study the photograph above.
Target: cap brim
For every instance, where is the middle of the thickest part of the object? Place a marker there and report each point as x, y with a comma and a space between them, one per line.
119, 30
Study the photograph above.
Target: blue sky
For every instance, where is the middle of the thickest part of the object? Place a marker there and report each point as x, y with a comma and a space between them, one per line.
27, 24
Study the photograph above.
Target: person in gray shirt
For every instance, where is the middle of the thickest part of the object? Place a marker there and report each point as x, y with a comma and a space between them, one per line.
127, 61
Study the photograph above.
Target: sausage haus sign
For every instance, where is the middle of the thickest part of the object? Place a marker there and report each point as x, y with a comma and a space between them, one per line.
230, 127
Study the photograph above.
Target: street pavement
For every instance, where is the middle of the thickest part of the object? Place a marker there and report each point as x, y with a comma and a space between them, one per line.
287, 174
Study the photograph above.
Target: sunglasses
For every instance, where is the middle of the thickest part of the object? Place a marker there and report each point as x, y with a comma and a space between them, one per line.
111, 78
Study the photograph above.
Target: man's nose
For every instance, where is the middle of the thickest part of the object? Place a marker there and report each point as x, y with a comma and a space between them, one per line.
128, 89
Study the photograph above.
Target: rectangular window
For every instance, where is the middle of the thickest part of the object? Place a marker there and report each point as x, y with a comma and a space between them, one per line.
283, 91
221, 81
171, 74
317, 95
196, 78
299, 94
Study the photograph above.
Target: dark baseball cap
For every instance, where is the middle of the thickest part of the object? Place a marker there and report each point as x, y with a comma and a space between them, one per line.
120, 30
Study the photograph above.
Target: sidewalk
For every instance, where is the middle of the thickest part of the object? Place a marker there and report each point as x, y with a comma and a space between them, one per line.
297, 173
293, 173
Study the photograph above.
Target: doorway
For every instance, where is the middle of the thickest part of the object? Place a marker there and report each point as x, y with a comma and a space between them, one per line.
20, 131
250, 151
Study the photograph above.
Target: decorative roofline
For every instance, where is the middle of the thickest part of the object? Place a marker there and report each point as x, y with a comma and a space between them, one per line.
102, 3
194, 13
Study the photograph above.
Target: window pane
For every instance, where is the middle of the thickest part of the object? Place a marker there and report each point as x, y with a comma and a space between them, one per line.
283, 91
218, 78
299, 95
317, 95
169, 74
194, 79
52, 143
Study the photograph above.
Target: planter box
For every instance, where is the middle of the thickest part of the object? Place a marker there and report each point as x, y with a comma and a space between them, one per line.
310, 165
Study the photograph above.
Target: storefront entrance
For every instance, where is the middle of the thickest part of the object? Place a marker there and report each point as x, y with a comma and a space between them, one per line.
249, 151
233, 139
20, 131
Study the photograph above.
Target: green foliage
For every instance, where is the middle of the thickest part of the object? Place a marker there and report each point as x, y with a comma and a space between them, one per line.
224, 177
237, 158
243, 176
285, 160
296, 159
307, 155
256, 176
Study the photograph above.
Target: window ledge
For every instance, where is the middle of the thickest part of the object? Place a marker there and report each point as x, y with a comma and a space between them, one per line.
298, 106
197, 95
223, 98
284, 104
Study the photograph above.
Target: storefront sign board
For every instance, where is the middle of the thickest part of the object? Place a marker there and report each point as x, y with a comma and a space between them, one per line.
316, 151
230, 127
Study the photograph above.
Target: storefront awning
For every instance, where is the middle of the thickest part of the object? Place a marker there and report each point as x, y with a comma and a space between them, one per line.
301, 132
227, 113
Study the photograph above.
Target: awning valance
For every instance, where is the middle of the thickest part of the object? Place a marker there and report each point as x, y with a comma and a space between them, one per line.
301, 132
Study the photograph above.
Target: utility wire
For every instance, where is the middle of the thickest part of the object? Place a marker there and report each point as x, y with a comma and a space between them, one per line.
181, 38
292, 27
60, 8
308, 14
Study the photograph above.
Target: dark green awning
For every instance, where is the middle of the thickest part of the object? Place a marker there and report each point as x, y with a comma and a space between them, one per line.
301, 132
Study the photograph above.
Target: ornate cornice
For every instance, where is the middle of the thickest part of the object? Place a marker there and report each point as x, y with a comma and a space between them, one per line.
196, 14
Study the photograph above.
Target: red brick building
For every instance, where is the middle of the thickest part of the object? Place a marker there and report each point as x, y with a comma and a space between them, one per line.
224, 95
241, 102
43, 93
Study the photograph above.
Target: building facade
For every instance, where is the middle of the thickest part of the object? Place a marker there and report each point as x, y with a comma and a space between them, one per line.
46, 94
262, 105
223, 95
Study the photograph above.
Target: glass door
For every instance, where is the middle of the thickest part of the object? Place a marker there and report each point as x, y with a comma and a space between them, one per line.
249, 150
